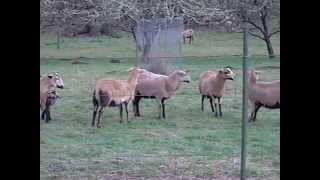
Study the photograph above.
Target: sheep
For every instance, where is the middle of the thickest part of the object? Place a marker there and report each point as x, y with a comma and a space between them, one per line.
160, 88
112, 93
48, 96
146, 75
211, 85
188, 33
262, 94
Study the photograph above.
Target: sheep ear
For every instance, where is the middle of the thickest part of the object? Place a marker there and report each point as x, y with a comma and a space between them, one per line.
220, 71
187, 70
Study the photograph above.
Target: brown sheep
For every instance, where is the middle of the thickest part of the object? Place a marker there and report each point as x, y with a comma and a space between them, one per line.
112, 93
262, 94
188, 33
211, 85
161, 89
48, 96
146, 75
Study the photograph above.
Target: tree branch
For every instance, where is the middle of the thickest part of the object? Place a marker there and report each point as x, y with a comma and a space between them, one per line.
256, 35
255, 25
273, 33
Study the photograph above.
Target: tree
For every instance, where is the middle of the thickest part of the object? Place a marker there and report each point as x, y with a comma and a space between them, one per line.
126, 14
262, 21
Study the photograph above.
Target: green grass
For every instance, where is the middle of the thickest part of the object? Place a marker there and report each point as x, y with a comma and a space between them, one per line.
205, 44
189, 142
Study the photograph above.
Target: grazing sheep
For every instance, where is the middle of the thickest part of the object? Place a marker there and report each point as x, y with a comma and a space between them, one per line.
188, 33
160, 88
211, 85
266, 94
114, 93
48, 96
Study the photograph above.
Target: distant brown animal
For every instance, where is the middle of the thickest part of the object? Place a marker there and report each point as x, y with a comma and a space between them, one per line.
114, 93
48, 94
211, 85
262, 94
188, 33
159, 87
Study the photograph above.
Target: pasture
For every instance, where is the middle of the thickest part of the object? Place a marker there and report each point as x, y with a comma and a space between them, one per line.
189, 143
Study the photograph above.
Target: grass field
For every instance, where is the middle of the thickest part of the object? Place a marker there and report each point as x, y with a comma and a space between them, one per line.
205, 44
188, 143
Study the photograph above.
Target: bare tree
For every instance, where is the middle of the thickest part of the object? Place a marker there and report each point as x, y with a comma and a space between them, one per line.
261, 22
126, 14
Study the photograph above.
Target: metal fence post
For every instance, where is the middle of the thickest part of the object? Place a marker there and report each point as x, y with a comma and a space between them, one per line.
244, 100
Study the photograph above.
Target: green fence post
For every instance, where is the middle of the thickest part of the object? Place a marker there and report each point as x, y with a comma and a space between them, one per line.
244, 100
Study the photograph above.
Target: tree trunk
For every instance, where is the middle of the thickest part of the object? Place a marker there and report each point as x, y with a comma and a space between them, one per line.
269, 47
58, 38
267, 38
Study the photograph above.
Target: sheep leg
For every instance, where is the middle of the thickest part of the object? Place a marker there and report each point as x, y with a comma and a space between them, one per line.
220, 111
120, 107
134, 106
43, 114
210, 100
159, 108
190, 39
254, 112
257, 107
126, 107
100, 111
163, 108
95, 108
215, 106
137, 107
47, 110
184, 40
202, 99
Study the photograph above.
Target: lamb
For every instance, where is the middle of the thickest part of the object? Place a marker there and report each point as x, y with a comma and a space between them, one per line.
188, 33
211, 85
48, 95
160, 88
260, 93
114, 93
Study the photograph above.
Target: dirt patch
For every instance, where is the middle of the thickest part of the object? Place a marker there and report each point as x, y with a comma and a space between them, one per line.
77, 61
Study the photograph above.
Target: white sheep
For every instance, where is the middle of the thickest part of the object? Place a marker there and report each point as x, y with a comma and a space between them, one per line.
262, 94
211, 85
159, 88
112, 93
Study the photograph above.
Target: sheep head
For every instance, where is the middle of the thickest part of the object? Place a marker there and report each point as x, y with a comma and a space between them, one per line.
56, 79
253, 75
226, 73
184, 75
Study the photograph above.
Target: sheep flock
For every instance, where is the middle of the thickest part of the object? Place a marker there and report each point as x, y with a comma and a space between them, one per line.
143, 84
